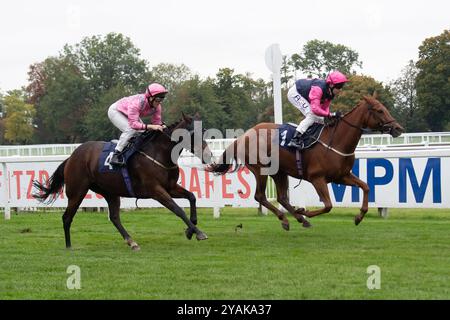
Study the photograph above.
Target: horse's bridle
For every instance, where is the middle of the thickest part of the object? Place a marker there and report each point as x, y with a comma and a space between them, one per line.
383, 126
164, 132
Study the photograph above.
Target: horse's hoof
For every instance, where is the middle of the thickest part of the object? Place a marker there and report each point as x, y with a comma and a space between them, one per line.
189, 232
358, 219
201, 236
285, 226
306, 224
134, 246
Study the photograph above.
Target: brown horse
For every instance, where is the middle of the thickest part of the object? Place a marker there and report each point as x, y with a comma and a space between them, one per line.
329, 160
153, 172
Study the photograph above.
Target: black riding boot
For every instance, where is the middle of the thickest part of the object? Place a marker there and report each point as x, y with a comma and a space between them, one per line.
296, 140
117, 159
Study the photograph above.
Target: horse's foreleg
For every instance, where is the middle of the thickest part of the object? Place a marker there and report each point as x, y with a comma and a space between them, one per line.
180, 192
353, 180
282, 183
166, 200
114, 216
322, 190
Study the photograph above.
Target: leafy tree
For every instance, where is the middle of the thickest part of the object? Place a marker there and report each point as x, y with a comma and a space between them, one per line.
2, 120
2, 131
18, 118
107, 62
433, 81
356, 88
87, 75
170, 75
62, 108
406, 109
195, 95
240, 97
96, 124
1, 103
286, 72
37, 75
318, 58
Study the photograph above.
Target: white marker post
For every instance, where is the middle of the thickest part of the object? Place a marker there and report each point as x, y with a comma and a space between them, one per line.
273, 62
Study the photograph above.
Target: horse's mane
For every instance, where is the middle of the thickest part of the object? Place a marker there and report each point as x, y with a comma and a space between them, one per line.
364, 100
147, 136
172, 126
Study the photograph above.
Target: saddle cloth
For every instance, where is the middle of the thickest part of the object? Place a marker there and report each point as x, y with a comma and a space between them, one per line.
309, 138
105, 166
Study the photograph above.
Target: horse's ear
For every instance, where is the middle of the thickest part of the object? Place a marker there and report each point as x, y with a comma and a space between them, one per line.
375, 94
186, 118
369, 100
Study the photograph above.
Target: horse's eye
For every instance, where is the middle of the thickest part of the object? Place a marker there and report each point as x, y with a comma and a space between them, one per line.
380, 111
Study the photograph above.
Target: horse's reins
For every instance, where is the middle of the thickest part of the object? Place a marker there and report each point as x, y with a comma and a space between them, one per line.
156, 161
364, 130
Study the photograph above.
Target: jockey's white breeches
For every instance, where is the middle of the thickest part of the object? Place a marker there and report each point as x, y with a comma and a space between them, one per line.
303, 105
121, 122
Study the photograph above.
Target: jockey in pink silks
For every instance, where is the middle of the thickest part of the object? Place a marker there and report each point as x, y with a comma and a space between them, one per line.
125, 115
313, 97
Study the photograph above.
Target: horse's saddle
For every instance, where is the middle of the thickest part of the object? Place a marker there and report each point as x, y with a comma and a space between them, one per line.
133, 146
309, 138
106, 155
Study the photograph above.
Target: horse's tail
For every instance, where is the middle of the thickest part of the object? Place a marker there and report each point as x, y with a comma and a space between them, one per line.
51, 187
226, 160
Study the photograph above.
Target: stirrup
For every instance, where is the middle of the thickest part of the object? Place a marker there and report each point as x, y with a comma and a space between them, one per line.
117, 159
295, 141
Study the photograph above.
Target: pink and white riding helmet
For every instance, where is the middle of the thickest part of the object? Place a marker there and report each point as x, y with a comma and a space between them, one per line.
336, 77
155, 89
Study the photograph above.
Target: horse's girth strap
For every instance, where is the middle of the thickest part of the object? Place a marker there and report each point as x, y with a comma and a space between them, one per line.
157, 162
298, 160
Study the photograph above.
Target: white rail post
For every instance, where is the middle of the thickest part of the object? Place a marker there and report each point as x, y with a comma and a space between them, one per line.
6, 191
216, 196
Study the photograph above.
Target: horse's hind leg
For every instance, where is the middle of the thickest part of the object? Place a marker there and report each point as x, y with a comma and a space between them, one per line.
282, 183
260, 196
320, 185
114, 216
74, 201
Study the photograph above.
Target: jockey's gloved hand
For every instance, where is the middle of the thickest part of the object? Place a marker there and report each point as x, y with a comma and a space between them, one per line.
336, 114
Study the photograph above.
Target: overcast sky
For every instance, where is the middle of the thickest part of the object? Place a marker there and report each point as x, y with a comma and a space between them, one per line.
207, 35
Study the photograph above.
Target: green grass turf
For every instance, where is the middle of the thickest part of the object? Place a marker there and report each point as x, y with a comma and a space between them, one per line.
259, 261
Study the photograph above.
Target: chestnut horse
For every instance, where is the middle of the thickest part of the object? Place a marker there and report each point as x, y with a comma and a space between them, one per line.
329, 160
153, 171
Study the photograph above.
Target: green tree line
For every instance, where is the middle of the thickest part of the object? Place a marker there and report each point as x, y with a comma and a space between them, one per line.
67, 95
